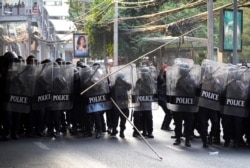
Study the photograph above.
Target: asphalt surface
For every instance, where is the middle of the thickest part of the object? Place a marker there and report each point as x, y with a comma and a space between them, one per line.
115, 152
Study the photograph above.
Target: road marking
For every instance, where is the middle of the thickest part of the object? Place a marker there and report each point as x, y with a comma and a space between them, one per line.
174, 148
41, 145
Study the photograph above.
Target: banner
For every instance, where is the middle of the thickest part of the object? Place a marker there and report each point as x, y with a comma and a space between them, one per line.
226, 29
81, 48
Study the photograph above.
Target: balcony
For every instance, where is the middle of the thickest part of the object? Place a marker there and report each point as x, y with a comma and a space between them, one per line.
15, 14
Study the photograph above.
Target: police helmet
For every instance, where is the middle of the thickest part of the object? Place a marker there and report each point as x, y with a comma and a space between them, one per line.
69, 63
145, 70
46, 61
184, 69
81, 64
31, 59
60, 61
96, 64
9, 57
120, 76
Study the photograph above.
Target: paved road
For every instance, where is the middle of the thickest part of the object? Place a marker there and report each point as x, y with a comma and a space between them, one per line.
114, 152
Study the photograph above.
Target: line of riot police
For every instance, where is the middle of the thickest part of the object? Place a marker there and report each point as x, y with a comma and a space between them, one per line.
43, 99
213, 93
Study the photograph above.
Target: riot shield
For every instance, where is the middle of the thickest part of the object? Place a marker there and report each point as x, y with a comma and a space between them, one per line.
20, 83
236, 92
62, 84
42, 87
121, 86
170, 81
145, 89
213, 84
97, 98
182, 90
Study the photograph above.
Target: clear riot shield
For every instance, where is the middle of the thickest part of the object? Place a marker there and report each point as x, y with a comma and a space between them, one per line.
184, 86
20, 84
121, 85
42, 87
170, 80
213, 84
236, 92
97, 98
145, 90
62, 84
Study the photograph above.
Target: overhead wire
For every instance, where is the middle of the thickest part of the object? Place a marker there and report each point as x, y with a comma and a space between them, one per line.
200, 17
136, 3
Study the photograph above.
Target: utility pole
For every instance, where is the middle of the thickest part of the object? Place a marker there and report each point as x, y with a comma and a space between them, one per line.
210, 29
116, 33
235, 45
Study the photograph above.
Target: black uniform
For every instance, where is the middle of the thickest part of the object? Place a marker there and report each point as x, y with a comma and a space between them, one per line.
11, 120
162, 101
120, 94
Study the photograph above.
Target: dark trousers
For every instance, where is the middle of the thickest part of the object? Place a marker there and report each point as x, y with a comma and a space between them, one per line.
94, 118
168, 116
110, 118
34, 121
247, 128
137, 120
179, 117
232, 128
1, 118
11, 123
54, 120
204, 115
147, 121
117, 115
64, 119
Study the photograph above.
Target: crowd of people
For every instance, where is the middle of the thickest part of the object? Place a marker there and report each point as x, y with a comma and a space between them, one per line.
42, 99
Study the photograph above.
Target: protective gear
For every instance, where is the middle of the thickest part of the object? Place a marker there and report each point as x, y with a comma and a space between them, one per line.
120, 90
9, 57
236, 92
46, 61
121, 86
42, 86
81, 64
60, 61
31, 59
213, 84
20, 81
97, 98
182, 86
145, 89
62, 87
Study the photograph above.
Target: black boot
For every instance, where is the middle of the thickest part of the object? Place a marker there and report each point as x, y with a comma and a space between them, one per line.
187, 143
135, 133
114, 132
122, 134
98, 134
177, 141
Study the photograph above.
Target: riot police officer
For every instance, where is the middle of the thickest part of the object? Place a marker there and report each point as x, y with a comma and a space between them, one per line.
182, 89
119, 92
213, 82
162, 98
12, 70
31, 120
235, 105
96, 100
144, 93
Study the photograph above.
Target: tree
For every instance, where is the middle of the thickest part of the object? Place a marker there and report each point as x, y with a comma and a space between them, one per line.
182, 15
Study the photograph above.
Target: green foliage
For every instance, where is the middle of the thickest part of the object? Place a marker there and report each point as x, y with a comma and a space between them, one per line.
98, 25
